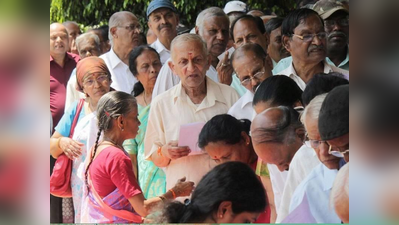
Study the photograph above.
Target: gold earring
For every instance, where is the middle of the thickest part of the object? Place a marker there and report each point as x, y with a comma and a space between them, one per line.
221, 216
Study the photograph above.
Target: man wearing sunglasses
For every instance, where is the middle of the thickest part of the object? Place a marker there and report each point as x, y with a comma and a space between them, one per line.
304, 37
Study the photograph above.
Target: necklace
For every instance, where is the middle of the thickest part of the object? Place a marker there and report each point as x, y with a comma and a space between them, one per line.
112, 143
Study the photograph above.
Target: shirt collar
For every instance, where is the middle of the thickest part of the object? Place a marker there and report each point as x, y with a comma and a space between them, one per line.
114, 59
247, 98
328, 178
67, 58
343, 63
159, 46
213, 94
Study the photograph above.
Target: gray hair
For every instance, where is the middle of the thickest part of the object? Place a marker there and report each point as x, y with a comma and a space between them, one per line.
66, 23
188, 38
88, 36
339, 196
313, 109
116, 20
209, 12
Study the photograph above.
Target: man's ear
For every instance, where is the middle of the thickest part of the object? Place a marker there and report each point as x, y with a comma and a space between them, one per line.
267, 37
172, 66
196, 30
113, 31
286, 43
300, 132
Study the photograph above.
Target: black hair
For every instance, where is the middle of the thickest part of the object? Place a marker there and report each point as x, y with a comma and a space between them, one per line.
294, 18
273, 24
279, 90
322, 83
133, 55
224, 128
249, 47
258, 22
230, 181
103, 31
110, 106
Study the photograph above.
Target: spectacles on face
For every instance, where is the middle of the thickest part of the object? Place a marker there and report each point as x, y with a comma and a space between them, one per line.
344, 22
312, 143
88, 82
258, 76
338, 152
309, 37
132, 27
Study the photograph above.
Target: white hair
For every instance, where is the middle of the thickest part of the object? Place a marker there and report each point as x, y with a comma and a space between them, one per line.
312, 110
188, 38
209, 12
339, 196
116, 20
88, 36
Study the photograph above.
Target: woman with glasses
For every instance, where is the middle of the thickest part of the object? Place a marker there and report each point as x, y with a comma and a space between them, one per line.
94, 80
145, 64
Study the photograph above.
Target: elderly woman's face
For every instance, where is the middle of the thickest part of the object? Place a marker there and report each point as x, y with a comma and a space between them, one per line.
96, 85
148, 67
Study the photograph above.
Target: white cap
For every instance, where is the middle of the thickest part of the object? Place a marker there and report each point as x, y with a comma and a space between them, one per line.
235, 6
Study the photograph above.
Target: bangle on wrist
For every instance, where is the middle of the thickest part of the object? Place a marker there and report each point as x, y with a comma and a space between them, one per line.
173, 193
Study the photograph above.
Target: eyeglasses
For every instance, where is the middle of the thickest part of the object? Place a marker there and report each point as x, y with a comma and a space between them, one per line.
132, 27
312, 143
258, 76
338, 152
88, 82
309, 37
344, 22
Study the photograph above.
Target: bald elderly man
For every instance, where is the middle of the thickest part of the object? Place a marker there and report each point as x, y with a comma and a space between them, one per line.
340, 194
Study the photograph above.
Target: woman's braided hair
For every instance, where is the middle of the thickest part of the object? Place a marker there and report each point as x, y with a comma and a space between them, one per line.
110, 106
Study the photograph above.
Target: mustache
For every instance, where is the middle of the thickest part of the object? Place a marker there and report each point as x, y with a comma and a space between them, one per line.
167, 25
337, 33
219, 43
315, 47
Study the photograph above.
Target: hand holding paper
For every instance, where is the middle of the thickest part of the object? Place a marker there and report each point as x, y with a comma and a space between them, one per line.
174, 151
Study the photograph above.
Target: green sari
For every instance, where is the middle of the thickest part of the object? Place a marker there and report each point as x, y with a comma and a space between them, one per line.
152, 180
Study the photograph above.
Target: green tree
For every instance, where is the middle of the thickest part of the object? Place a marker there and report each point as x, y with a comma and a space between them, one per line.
95, 12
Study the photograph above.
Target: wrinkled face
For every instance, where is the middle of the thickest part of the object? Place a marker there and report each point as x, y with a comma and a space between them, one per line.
246, 31
250, 66
59, 41
278, 154
148, 67
131, 124
221, 152
190, 63
215, 32
104, 44
96, 85
328, 160
275, 49
311, 52
163, 23
127, 34
337, 28
340, 144
244, 217
88, 48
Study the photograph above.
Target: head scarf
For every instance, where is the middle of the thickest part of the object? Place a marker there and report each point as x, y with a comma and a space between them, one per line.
87, 66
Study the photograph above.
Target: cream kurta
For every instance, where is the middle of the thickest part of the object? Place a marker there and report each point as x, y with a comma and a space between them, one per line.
174, 108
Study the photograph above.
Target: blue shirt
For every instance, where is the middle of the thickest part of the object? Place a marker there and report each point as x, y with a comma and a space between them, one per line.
64, 126
317, 186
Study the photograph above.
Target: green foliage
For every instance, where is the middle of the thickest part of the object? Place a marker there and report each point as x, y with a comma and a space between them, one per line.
95, 12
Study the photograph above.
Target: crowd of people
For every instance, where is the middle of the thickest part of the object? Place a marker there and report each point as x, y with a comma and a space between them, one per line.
269, 94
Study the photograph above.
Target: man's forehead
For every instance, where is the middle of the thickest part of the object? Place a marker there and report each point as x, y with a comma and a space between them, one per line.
57, 28
161, 11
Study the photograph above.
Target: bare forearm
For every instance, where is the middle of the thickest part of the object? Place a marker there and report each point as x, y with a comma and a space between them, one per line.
160, 160
55, 150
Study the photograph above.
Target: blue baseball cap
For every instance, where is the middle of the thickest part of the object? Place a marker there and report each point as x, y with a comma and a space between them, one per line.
157, 4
